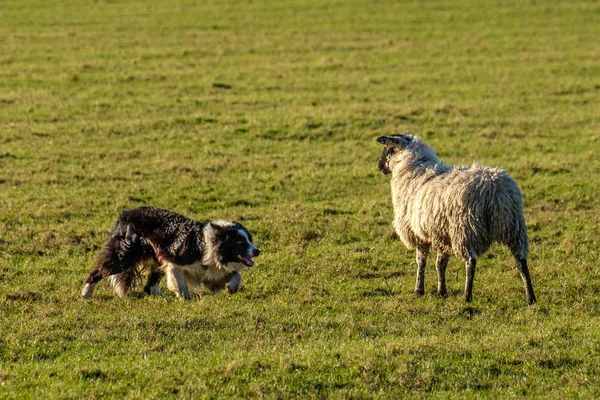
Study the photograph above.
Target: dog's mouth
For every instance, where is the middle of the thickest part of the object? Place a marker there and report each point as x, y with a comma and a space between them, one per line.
245, 260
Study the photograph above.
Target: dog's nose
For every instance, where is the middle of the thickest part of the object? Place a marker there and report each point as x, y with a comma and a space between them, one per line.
256, 253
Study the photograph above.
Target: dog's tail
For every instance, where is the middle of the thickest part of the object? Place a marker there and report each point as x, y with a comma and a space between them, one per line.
121, 283
124, 256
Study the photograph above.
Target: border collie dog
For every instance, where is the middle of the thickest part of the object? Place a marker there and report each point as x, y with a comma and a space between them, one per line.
190, 253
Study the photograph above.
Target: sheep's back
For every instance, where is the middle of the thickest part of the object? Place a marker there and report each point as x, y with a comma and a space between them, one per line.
460, 211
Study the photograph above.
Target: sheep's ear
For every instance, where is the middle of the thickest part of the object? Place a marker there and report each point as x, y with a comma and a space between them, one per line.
398, 140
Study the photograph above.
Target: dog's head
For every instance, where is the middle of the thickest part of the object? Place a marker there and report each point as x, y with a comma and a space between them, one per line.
401, 145
235, 248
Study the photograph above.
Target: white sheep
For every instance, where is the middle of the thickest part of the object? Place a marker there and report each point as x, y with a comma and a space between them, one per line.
452, 210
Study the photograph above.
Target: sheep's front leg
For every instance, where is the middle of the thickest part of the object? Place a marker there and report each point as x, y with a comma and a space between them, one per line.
421, 261
440, 264
469, 279
234, 283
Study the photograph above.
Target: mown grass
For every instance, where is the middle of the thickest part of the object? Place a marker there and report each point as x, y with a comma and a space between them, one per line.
266, 112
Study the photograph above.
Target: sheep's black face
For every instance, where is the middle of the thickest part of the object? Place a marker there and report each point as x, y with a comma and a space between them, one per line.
393, 144
384, 160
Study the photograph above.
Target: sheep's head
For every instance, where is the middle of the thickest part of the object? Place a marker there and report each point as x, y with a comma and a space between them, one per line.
404, 148
394, 145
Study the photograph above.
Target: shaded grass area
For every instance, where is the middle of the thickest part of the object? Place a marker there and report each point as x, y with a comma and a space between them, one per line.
267, 113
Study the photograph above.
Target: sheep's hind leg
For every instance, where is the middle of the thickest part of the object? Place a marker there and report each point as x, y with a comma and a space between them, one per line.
522, 267
421, 262
440, 264
471, 264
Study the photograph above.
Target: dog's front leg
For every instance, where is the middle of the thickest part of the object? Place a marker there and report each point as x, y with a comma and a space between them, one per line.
176, 282
234, 282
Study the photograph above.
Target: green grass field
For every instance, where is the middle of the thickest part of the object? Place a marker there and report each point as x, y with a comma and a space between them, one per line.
267, 112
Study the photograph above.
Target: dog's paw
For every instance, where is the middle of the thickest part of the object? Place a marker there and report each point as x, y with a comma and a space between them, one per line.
153, 291
184, 295
232, 288
87, 291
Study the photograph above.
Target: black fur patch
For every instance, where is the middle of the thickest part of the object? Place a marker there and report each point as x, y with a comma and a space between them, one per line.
384, 160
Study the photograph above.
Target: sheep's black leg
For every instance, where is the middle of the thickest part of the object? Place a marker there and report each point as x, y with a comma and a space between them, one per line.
441, 264
421, 261
469, 279
522, 267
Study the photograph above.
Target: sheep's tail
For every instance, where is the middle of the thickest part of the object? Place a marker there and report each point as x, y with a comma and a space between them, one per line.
519, 245
509, 202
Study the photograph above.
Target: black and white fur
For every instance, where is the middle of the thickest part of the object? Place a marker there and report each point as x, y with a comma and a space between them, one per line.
190, 253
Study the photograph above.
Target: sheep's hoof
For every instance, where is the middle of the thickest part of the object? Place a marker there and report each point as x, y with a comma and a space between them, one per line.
419, 293
531, 300
468, 298
442, 293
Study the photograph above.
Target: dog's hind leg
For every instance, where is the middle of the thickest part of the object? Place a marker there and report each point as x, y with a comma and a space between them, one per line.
153, 285
95, 276
119, 257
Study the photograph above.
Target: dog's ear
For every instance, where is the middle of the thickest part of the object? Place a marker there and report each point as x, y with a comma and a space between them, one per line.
216, 228
400, 140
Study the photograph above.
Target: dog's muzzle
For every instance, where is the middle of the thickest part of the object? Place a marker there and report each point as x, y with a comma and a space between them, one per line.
248, 261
